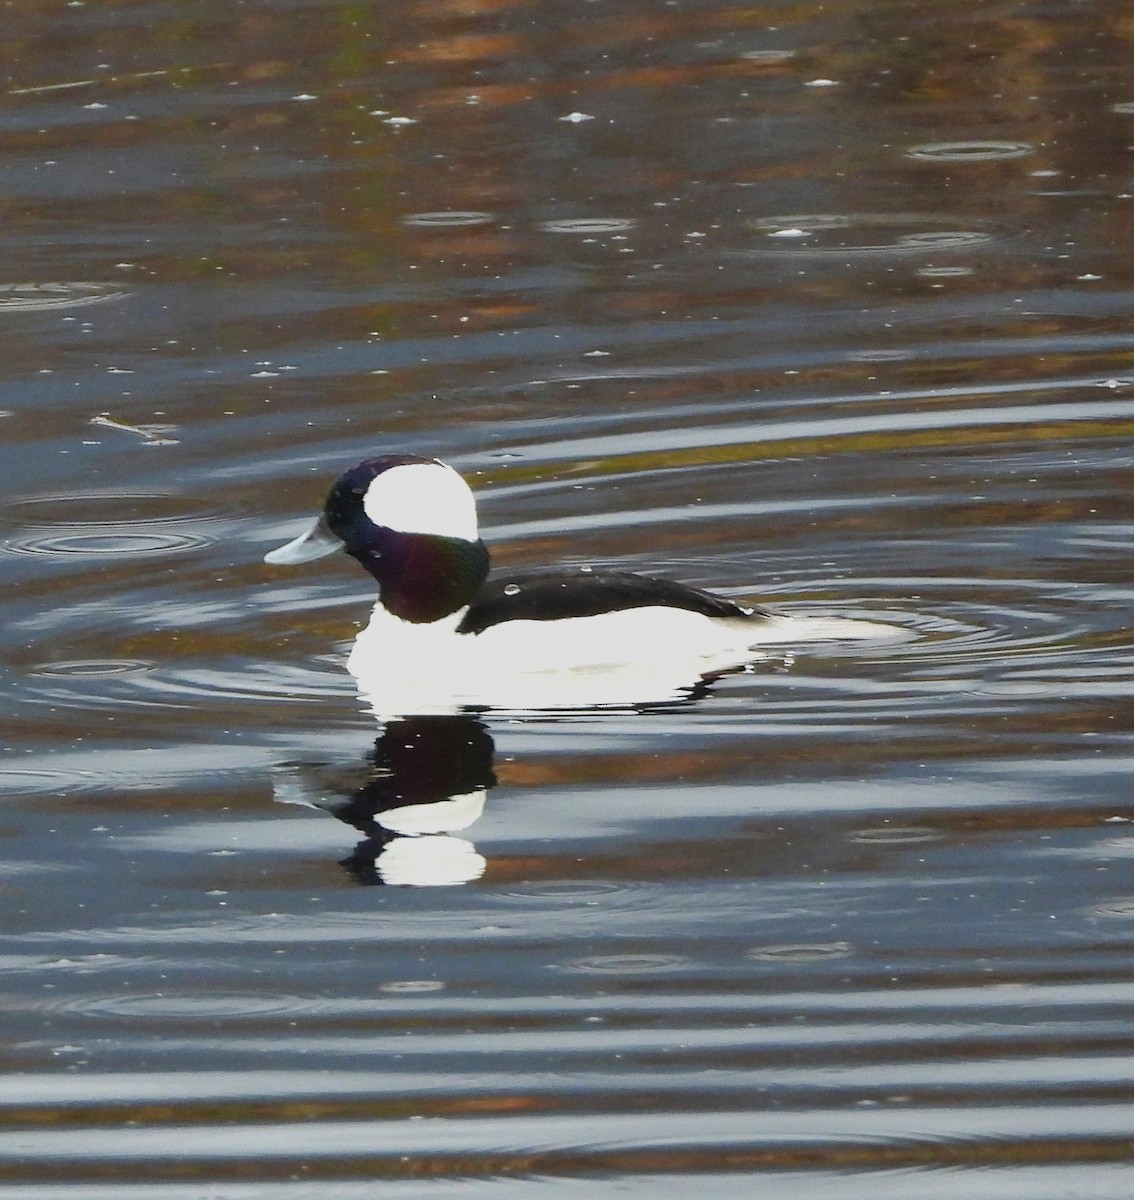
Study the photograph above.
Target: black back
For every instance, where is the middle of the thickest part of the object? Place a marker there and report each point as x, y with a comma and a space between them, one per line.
587, 594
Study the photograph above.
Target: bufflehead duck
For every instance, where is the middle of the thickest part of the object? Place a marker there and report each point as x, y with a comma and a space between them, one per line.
411, 523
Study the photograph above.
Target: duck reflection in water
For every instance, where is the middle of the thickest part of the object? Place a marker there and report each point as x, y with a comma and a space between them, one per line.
443, 639
428, 776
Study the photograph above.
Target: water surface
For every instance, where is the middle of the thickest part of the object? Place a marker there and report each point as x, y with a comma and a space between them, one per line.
823, 306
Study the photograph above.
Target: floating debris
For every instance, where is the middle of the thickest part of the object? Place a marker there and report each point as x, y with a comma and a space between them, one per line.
152, 435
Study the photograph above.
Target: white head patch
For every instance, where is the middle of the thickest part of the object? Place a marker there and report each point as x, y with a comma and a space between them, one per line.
422, 498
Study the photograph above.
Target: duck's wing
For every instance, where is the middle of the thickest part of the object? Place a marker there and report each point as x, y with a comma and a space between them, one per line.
588, 594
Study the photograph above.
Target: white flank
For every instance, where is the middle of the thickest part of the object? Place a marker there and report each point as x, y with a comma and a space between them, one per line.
641, 655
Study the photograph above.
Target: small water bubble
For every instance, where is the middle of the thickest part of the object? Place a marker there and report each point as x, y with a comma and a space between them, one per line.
511, 589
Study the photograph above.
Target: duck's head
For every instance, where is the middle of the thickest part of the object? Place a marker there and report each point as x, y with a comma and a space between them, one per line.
411, 522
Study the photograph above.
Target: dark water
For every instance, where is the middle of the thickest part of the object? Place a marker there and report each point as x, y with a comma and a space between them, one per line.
827, 305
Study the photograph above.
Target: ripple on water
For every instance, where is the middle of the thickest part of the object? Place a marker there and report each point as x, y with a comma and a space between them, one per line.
588, 225
109, 685
85, 668
975, 151
768, 56
801, 952
38, 779
148, 769
159, 1006
112, 542
629, 964
97, 524
411, 987
976, 630
880, 356
873, 233
895, 835
447, 220
566, 891
253, 679
1115, 847
1120, 908
37, 297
